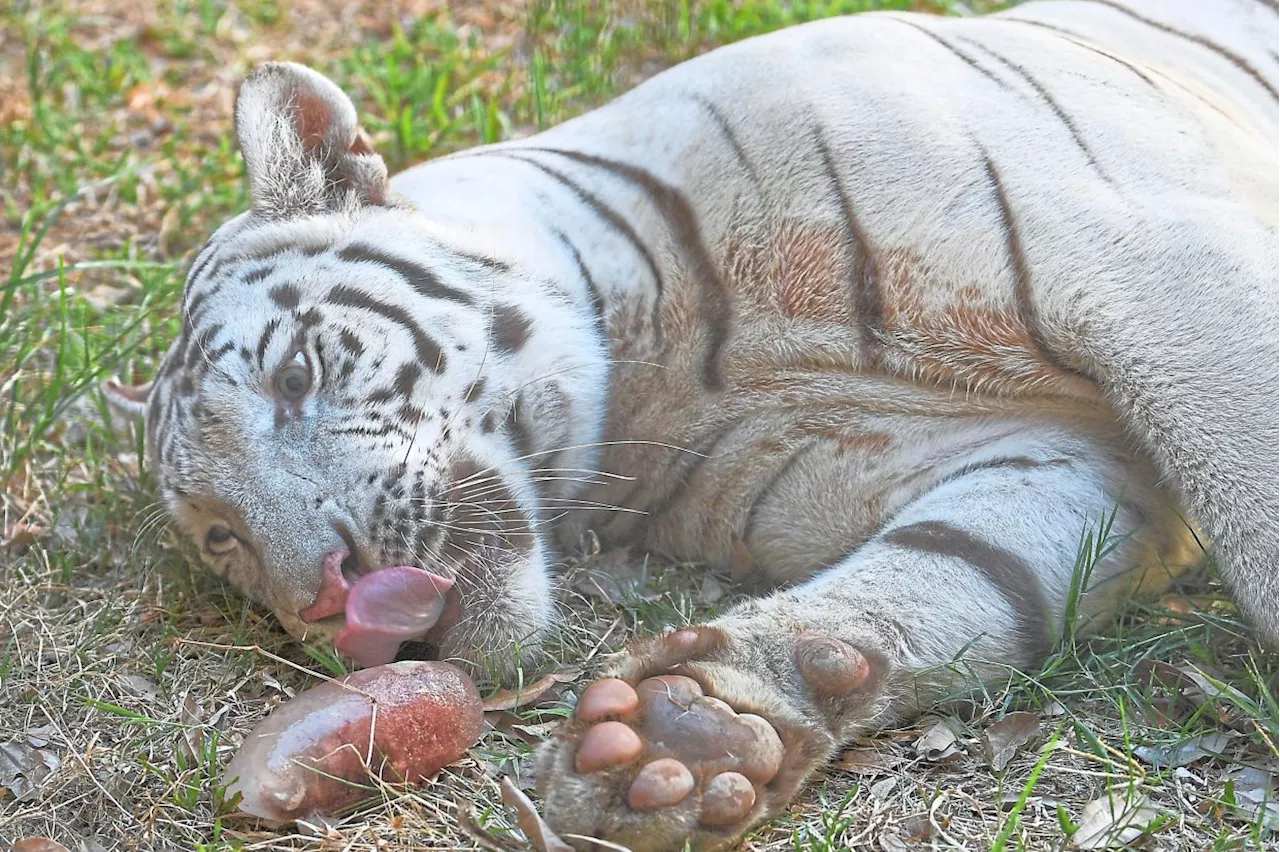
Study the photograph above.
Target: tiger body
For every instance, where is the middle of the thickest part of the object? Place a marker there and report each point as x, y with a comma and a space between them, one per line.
887, 311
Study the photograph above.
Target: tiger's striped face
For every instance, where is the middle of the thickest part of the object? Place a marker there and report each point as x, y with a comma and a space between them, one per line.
342, 396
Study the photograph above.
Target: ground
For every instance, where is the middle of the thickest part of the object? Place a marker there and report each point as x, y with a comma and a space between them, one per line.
127, 677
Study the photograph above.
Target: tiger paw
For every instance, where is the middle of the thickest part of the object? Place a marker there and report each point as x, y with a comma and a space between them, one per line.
666, 754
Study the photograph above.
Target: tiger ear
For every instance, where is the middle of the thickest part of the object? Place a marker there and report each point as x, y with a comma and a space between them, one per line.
128, 400
303, 148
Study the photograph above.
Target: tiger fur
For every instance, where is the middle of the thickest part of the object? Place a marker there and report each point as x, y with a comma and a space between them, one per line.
881, 314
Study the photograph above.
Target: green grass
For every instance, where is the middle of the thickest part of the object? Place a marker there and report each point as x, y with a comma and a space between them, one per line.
142, 672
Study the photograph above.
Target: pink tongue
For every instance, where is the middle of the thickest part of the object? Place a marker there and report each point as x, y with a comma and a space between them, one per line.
388, 607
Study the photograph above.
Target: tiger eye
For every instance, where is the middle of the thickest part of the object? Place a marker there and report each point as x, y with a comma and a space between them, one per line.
293, 380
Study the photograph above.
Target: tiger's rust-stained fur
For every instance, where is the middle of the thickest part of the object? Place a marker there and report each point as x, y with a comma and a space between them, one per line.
882, 314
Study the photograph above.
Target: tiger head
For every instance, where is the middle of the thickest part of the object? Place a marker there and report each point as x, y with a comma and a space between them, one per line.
349, 423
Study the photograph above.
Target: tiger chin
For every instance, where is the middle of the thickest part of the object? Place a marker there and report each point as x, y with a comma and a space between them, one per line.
783, 311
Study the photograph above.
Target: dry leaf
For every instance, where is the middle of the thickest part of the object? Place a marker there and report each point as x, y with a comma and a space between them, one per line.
1225, 699
881, 789
1001, 741
40, 737
938, 743
510, 699
868, 761
892, 841
23, 769
540, 835
918, 828
709, 591
192, 741
1256, 795
140, 685
616, 577
20, 536
1113, 822
1184, 753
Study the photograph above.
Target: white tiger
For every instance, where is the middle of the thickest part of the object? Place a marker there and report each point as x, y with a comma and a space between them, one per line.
881, 312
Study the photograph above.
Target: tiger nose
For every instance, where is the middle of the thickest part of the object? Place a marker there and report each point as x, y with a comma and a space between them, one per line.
332, 597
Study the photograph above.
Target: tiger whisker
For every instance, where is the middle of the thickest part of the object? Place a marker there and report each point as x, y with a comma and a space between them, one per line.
619, 443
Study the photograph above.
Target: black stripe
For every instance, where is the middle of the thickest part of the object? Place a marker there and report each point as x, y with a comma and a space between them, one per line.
1007, 572
509, 328
351, 342
1040, 90
221, 352
597, 305
1023, 296
683, 223
1082, 41
200, 347
258, 274
1022, 463
285, 296
407, 379
430, 355
192, 312
604, 211
690, 465
421, 279
964, 57
726, 130
194, 274
520, 436
264, 341
763, 494
493, 264
864, 274
1234, 58
1273, 5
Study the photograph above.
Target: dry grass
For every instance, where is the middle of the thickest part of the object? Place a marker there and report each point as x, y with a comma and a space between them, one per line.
127, 677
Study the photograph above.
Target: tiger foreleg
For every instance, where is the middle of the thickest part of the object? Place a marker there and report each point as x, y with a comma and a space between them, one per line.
701, 734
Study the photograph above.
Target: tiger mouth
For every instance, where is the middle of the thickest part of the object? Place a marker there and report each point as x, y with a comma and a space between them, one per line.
384, 609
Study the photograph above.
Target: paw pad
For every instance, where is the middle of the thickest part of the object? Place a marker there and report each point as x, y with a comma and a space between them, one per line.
607, 744
606, 697
660, 784
728, 798
830, 666
682, 741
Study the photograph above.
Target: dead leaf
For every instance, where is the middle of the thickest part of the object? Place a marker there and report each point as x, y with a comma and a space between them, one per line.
918, 828
881, 789
140, 685
483, 838
1113, 821
1256, 795
38, 844
938, 743
20, 536
1001, 741
709, 591
40, 737
104, 297
617, 577
23, 768
540, 835
1184, 753
510, 699
868, 761
892, 841
192, 741
1225, 700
